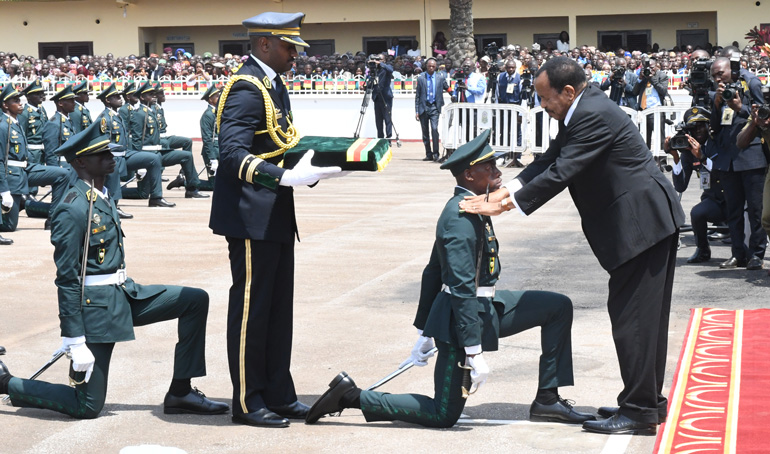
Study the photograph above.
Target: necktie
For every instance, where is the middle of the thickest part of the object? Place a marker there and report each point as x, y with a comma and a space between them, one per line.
644, 97
430, 89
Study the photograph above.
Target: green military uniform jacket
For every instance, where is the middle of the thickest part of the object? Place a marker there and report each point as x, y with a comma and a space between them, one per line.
144, 128
209, 134
13, 144
32, 121
160, 116
57, 131
80, 117
126, 111
459, 317
103, 314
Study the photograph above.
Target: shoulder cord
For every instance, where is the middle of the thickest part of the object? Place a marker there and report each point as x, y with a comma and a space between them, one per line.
8, 150
273, 128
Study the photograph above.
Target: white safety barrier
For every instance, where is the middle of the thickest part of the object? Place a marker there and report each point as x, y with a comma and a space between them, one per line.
461, 122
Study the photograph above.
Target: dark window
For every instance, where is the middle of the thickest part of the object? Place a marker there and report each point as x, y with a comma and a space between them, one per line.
319, 47
697, 38
235, 47
482, 41
627, 39
61, 50
381, 44
147, 49
543, 38
188, 47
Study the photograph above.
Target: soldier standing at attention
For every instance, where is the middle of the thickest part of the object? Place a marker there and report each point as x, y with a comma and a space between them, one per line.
32, 120
103, 306
253, 207
145, 136
210, 150
81, 116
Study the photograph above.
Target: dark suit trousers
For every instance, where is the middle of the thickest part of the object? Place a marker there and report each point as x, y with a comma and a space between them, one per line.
86, 400
745, 188
429, 124
382, 115
259, 324
551, 311
639, 303
701, 214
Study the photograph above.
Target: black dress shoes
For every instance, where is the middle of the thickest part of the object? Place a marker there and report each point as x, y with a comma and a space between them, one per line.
4, 373
329, 402
619, 424
194, 403
178, 182
609, 412
560, 411
47, 225
428, 158
161, 202
755, 263
195, 194
700, 256
261, 418
297, 410
5, 241
2, 350
733, 263
435, 157
123, 215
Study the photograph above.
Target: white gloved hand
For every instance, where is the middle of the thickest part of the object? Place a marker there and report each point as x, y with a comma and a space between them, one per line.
140, 173
7, 200
305, 173
420, 353
214, 165
82, 358
480, 370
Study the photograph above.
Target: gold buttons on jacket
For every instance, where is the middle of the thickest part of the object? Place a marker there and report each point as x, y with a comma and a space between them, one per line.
88, 301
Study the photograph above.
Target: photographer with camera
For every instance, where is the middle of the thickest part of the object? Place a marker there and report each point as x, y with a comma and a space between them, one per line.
470, 86
651, 90
759, 126
381, 76
741, 168
621, 84
509, 92
689, 149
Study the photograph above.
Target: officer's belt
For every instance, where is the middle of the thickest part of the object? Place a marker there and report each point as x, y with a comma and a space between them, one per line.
31, 146
62, 159
481, 292
151, 147
116, 278
163, 135
14, 163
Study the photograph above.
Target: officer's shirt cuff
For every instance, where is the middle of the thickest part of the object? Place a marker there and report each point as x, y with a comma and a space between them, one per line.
473, 350
513, 186
676, 169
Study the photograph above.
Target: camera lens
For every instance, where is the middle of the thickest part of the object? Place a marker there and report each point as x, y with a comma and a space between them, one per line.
728, 94
763, 112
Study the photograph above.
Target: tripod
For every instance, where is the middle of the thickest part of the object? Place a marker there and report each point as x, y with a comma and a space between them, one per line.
371, 82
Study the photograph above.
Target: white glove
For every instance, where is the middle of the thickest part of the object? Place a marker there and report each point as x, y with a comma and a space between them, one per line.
480, 370
214, 164
82, 358
140, 173
305, 173
7, 200
420, 353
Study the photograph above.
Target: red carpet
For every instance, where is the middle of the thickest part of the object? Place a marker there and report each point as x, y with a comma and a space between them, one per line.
719, 398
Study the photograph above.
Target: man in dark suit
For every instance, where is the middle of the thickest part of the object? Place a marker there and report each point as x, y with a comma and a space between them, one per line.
428, 101
253, 207
630, 216
154, 72
382, 95
622, 88
742, 171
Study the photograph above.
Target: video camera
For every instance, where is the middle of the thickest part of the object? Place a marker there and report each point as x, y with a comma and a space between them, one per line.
527, 87
646, 70
763, 113
700, 81
679, 140
618, 72
374, 59
491, 51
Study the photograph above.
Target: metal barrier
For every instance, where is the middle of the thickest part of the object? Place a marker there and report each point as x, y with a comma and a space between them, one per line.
460, 122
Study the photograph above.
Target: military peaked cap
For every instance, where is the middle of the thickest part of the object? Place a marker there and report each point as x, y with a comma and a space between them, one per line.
281, 25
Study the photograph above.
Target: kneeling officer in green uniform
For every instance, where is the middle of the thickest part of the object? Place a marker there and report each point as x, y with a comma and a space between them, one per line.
461, 310
106, 307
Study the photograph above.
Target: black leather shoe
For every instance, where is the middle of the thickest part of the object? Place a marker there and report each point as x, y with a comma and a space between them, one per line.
435, 157
194, 403
47, 225
329, 402
718, 236
195, 194
2, 350
261, 418
3, 373
700, 256
609, 412
178, 182
560, 411
297, 410
733, 263
5, 241
123, 215
428, 158
755, 263
619, 424
161, 202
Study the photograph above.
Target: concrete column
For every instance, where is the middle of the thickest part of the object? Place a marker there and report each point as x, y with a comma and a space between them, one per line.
573, 31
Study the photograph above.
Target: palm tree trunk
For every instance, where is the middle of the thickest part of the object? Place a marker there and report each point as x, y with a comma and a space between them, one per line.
461, 44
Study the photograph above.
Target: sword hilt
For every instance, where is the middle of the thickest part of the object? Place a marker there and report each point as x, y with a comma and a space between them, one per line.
466, 381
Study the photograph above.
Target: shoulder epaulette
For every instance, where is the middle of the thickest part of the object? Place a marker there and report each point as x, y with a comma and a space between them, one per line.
70, 197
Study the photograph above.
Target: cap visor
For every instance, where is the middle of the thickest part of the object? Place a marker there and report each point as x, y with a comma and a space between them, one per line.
296, 40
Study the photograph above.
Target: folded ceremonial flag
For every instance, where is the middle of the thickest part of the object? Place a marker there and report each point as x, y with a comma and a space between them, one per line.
350, 154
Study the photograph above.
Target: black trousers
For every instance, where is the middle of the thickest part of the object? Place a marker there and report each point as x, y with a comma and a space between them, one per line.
701, 214
259, 324
429, 124
382, 115
745, 188
639, 303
